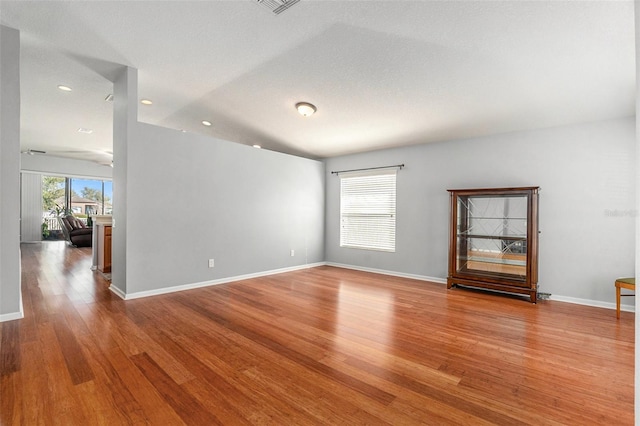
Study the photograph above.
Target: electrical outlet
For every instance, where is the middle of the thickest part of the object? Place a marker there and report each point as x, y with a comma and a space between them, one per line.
211, 263
293, 253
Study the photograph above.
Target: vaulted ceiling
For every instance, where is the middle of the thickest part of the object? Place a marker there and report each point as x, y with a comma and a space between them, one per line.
381, 73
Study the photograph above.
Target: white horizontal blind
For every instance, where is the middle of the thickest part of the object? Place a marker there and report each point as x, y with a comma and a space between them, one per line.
368, 211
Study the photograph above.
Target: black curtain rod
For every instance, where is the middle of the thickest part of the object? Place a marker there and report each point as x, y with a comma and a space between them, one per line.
400, 166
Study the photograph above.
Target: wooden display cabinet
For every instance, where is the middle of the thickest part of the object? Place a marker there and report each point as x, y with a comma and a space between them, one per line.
493, 241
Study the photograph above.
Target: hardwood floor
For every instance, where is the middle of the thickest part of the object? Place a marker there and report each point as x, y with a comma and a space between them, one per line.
318, 346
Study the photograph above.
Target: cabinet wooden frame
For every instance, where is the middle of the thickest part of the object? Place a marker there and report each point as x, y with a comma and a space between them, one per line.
525, 279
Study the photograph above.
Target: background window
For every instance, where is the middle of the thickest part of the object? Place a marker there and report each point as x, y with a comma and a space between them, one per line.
82, 197
368, 211
94, 196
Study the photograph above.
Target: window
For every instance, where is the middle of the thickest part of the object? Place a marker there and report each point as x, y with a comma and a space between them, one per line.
368, 210
83, 197
92, 196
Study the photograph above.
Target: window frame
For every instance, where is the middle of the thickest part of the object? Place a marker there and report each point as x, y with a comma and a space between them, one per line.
368, 199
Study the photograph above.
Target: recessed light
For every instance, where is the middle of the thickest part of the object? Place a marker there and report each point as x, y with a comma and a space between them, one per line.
64, 88
257, 146
146, 102
83, 130
206, 123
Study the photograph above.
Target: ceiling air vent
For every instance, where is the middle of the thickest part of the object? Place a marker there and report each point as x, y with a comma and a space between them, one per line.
277, 6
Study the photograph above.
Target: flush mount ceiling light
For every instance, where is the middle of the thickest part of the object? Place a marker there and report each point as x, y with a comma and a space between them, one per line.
64, 88
146, 102
305, 108
83, 130
257, 146
206, 123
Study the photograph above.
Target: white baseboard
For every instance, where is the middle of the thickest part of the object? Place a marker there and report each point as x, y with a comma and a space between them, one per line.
438, 280
14, 315
173, 289
391, 273
589, 302
117, 292
11, 317
565, 299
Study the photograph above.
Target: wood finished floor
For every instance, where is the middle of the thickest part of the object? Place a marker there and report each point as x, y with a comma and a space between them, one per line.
323, 346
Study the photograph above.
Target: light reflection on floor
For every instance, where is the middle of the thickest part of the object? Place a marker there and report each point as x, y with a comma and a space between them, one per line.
77, 280
354, 304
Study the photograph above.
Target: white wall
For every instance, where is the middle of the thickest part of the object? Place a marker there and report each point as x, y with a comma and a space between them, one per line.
192, 198
125, 117
587, 202
30, 207
50, 165
10, 297
181, 199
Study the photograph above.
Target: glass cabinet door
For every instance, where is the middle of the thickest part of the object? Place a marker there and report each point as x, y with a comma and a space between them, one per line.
492, 236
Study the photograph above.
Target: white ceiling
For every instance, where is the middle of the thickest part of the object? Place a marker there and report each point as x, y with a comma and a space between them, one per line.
382, 73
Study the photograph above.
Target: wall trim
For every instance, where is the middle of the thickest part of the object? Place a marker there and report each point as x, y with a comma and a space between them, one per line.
118, 292
173, 289
589, 302
565, 299
14, 315
437, 280
20, 314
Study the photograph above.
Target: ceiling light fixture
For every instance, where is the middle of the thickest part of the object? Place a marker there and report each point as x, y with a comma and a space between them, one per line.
257, 146
146, 102
64, 88
109, 97
83, 130
206, 123
305, 108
